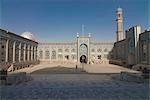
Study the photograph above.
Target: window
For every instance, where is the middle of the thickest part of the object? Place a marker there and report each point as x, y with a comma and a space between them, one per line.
66, 50
105, 50
60, 56
2, 46
144, 51
99, 50
99, 56
93, 50
73, 50
59, 50
105, 56
67, 57
53, 55
40, 54
73, 57
47, 54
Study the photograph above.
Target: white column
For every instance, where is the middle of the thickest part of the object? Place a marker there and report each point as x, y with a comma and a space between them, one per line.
36, 53
56, 53
88, 50
6, 58
31, 53
24, 53
50, 54
28, 52
19, 52
14, 51
78, 59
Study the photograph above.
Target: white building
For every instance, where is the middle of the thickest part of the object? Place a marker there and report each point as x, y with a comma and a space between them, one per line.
83, 50
17, 51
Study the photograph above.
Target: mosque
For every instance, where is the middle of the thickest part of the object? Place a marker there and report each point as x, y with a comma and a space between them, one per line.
83, 50
23, 51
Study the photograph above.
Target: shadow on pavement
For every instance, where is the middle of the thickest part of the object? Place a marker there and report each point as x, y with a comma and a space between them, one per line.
60, 70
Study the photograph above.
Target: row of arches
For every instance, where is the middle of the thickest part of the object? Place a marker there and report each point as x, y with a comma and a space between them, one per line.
54, 55
100, 50
66, 50
100, 57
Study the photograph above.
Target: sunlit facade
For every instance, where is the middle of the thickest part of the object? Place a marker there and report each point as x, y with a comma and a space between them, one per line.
83, 50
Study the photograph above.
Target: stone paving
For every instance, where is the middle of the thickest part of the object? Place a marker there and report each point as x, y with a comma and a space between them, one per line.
93, 68
107, 68
82, 86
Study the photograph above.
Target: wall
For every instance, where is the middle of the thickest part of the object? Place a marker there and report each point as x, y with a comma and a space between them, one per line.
99, 48
12, 51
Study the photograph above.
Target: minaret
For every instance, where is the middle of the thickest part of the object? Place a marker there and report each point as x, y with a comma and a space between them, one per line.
119, 32
77, 34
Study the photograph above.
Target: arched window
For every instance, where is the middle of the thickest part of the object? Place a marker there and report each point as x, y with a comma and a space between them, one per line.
105, 50
73, 57
93, 50
53, 54
99, 50
144, 51
67, 57
59, 50
41, 54
47, 54
73, 50
60, 56
67, 50
105, 56
99, 57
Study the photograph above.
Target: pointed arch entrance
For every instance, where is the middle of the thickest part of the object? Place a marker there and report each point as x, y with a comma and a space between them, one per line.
83, 59
83, 53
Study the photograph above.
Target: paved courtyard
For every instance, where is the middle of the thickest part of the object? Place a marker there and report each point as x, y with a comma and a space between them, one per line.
93, 68
59, 84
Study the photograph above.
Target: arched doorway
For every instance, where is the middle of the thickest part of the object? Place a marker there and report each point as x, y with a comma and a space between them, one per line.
83, 54
83, 59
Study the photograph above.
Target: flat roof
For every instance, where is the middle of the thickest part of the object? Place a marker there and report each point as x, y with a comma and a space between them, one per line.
8, 32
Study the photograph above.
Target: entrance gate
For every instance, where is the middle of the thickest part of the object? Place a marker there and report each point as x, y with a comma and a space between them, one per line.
83, 59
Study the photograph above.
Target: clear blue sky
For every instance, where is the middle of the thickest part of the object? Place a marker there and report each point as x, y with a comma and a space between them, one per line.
59, 20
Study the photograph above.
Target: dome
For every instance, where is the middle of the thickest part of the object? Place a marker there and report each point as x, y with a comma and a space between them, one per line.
119, 9
28, 35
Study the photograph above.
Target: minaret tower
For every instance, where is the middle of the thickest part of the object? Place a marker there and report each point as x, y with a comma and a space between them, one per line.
119, 32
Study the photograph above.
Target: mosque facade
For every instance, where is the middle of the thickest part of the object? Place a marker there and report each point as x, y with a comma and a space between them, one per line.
83, 50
